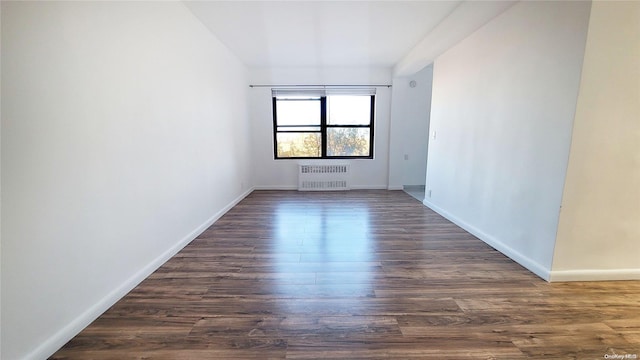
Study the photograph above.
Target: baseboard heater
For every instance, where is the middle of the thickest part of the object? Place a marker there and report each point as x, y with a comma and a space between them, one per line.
323, 177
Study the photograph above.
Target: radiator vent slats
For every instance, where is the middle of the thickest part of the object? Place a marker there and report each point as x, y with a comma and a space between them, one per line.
321, 177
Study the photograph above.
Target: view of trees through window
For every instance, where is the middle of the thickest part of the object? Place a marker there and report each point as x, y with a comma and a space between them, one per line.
299, 145
347, 142
343, 122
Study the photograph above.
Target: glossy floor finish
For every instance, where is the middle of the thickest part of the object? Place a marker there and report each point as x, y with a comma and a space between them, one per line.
355, 275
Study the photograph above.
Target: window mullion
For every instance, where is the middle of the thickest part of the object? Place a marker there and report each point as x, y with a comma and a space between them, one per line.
323, 125
371, 127
275, 128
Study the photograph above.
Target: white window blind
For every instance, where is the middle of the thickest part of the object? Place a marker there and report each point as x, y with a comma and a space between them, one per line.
314, 92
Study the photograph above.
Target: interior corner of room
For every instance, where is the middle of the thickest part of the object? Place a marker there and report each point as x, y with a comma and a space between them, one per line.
128, 128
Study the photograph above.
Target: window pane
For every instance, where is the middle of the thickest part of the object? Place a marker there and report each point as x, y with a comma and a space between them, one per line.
349, 110
348, 142
298, 112
299, 144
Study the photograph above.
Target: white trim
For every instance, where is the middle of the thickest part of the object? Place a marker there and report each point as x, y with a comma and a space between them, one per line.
61, 337
276, 187
515, 255
395, 187
368, 187
353, 187
595, 275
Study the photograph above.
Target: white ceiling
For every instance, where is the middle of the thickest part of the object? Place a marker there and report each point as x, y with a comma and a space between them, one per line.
321, 33
405, 35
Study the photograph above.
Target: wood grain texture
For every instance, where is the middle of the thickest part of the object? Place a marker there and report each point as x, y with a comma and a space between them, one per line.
355, 275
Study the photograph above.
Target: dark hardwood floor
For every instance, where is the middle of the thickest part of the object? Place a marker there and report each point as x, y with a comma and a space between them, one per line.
355, 275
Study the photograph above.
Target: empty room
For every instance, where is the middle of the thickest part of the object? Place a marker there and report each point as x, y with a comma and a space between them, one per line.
320, 180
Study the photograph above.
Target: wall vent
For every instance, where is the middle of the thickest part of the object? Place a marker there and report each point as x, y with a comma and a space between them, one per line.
323, 177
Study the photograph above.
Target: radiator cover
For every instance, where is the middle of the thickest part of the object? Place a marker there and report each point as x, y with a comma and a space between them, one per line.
323, 177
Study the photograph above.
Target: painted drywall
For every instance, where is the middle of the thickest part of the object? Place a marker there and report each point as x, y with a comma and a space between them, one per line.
465, 19
0, 187
326, 75
282, 174
320, 33
599, 228
502, 112
124, 133
409, 136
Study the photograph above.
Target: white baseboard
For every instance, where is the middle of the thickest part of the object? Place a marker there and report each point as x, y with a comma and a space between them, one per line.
515, 255
595, 275
295, 187
276, 187
55, 342
368, 187
393, 187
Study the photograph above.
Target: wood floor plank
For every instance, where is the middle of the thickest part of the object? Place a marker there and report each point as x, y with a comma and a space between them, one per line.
365, 274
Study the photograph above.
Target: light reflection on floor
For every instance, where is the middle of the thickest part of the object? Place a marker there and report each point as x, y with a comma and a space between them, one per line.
326, 237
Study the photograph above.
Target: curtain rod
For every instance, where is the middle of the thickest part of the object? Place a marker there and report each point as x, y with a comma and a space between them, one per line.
307, 86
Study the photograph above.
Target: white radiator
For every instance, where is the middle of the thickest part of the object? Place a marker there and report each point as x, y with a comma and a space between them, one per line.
323, 177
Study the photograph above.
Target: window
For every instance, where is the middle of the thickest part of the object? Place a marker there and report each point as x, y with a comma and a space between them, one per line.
323, 124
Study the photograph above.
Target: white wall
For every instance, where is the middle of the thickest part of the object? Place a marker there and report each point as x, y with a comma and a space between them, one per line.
410, 113
0, 187
124, 133
465, 19
502, 109
599, 229
282, 174
327, 75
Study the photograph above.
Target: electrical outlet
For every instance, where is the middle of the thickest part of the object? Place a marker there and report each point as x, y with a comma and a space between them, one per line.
429, 193
406, 156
